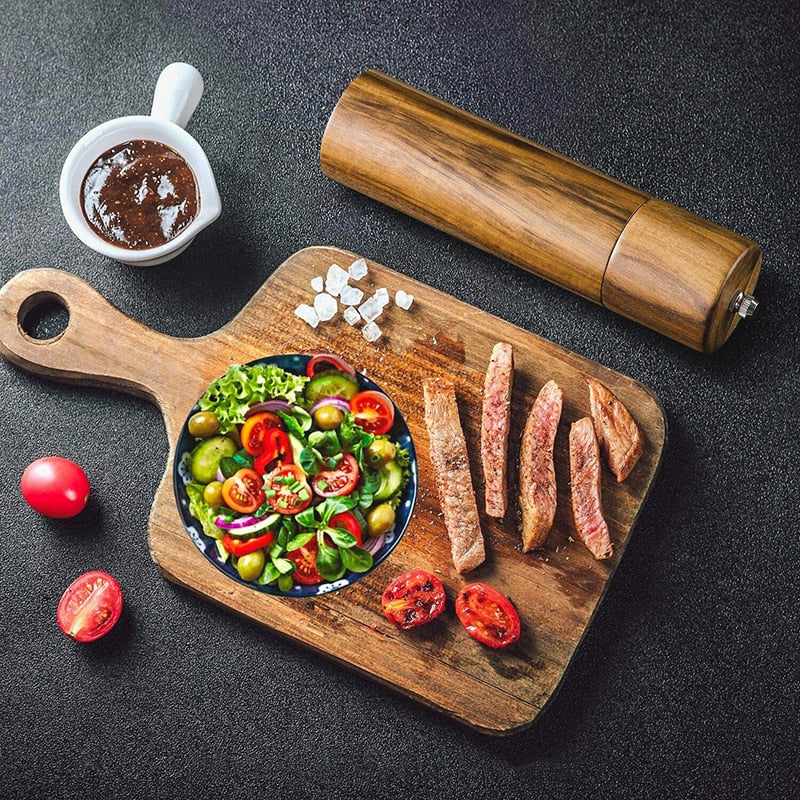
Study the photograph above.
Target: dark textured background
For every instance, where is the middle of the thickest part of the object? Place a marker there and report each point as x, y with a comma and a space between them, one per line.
687, 682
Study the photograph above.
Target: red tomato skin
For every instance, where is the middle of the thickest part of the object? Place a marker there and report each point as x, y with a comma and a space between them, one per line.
305, 561
373, 411
488, 616
295, 505
347, 521
254, 433
345, 473
76, 616
243, 491
413, 598
55, 487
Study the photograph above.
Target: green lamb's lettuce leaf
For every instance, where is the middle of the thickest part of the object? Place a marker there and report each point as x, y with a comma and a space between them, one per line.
241, 386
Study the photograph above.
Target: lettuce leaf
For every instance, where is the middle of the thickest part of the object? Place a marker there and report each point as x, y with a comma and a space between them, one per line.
242, 385
202, 511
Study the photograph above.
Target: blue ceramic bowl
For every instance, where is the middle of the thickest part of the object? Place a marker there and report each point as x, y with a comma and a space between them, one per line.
297, 364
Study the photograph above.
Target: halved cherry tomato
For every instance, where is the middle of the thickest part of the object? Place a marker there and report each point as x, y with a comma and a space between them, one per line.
339, 480
413, 598
324, 361
90, 607
348, 521
373, 411
287, 489
241, 547
277, 451
254, 431
243, 491
305, 563
487, 615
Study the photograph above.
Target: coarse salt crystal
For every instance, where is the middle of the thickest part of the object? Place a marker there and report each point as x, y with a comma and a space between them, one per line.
383, 295
336, 280
371, 332
351, 296
325, 306
358, 269
351, 315
307, 314
403, 299
371, 309
318, 283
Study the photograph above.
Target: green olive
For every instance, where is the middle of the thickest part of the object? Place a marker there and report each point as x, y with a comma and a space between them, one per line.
380, 451
380, 519
203, 424
212, 494
328, 418
251, 565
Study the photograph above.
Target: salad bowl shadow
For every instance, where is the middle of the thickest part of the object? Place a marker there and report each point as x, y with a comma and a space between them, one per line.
400, 434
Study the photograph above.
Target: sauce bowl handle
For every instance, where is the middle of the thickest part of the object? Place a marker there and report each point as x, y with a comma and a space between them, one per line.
177, 93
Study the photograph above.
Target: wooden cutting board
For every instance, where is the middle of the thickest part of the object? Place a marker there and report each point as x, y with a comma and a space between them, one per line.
556, 590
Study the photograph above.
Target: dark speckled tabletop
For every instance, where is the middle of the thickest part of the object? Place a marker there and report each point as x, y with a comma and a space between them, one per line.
686, 685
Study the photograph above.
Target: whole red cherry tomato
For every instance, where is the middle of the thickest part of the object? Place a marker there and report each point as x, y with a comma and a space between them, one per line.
55, 487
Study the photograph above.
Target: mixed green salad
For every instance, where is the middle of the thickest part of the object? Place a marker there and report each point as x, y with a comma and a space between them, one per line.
295, 477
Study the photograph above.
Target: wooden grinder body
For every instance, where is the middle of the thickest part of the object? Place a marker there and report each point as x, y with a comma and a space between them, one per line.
648, 260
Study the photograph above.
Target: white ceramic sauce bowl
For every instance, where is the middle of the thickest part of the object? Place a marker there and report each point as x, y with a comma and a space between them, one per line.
177, 93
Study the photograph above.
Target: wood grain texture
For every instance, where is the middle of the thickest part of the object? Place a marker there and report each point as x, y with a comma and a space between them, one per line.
556, 590
650, 261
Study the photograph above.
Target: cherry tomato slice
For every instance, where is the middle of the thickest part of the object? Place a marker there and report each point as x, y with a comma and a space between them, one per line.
244, 491
373, 411
254, 431
55, 487
324, 361
287, 489
276, 452
487, 615
348, 521
90, 607
305, 563
413, 598
340, 480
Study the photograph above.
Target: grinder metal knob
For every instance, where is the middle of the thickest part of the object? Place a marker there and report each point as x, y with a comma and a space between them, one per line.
745, 305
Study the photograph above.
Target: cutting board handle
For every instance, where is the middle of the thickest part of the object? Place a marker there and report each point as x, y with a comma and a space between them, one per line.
100, 346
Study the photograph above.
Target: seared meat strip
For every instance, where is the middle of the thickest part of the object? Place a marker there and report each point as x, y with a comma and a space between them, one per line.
621, 441
584, 467
537, 475
448, 451
495, 424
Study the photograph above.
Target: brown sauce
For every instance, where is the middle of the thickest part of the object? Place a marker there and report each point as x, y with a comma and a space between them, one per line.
139, 194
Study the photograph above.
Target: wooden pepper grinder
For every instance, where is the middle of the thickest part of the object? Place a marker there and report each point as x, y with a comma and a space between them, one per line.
646, 259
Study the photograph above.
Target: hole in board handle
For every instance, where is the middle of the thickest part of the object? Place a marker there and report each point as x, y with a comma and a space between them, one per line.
43, 317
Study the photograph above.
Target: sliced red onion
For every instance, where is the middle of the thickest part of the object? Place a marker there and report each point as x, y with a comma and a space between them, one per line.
239, 522
269, 405
337, 402
374, 543
220, 476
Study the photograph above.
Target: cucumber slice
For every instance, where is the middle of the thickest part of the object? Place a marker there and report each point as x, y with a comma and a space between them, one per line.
205, 458
331, 384
391, 479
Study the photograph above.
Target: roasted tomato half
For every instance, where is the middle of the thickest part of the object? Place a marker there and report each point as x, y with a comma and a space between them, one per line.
413, 598
373, 411
487, 615
339, 480
305, 563
243, 491
254, 431
90, 607
287, 489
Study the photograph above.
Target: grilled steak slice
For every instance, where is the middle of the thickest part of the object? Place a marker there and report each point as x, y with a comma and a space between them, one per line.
537, 475
495, 424
584, 467
621, 441
448, 451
